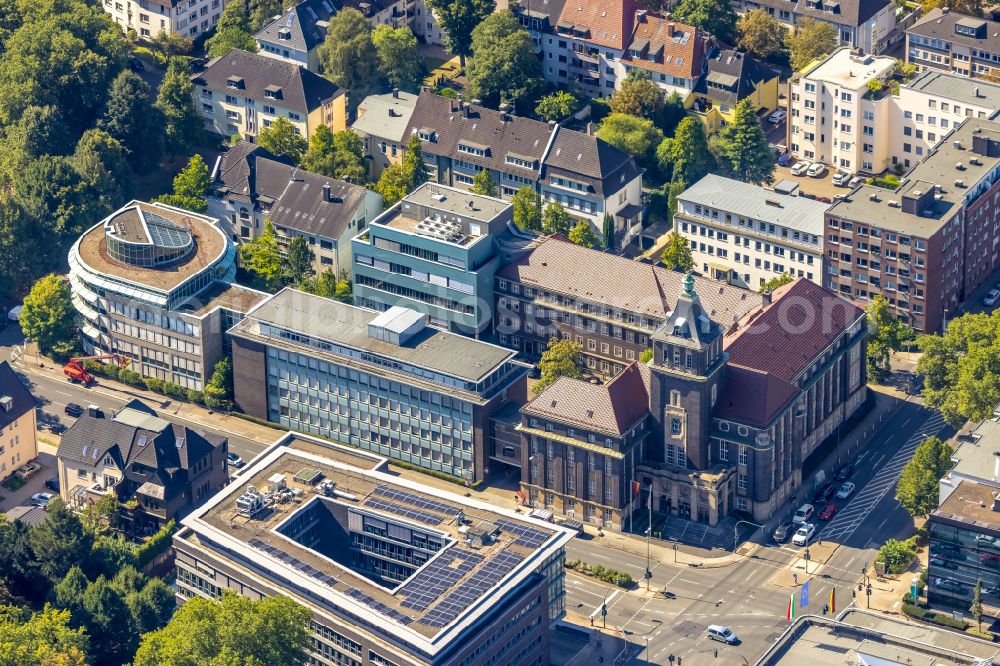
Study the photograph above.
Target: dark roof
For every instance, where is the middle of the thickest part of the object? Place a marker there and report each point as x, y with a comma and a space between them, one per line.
849, 12
735, 75
296, 197
937, 24
29, 515
90, 437
753, 397
549, 9
301, 25
784, 337
606, 168
367, 7
301, 90
11, 387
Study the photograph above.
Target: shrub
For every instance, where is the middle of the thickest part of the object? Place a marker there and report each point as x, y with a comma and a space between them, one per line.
889, 182
153, 57
897, 555
984, 635
110, 370
158, 543
154, 384
195, 396
612, 576
175, 391
931, 616
131, 377
445, 91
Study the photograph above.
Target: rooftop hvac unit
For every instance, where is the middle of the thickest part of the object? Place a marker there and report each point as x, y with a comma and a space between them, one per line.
436, 227
250, 502
275, 482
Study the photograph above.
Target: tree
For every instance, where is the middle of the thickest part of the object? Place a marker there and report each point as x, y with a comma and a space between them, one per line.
917, 490
337, 155
260, 257
646, 356
232, 32
555, 219
636, 136
299, 260
182, 126
583, 234
51, 192
504, 67
60, 542
673, 113
561, 358
886, 334
47, 316
68, 594
45, 638
743, 149
151, 606
40, 131
976, 609
328, 285
775, 282
608, 231
638, 96
232, 630
102, 515
677, 254
113, 637
348, 56
129, 116
686, 155
101, 162
527, 209
219, 389
397, 56
263, 12
484, 184
172, 44
191, 186
896, 555
760, 33
811, 40
413, 162
716, 17
283, 138
393, 184
557, 106
458, 18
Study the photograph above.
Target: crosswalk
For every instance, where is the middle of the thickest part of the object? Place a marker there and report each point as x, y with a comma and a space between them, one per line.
861, 505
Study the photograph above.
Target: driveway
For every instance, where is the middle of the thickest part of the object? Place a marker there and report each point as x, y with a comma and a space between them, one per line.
817, 187
35, 483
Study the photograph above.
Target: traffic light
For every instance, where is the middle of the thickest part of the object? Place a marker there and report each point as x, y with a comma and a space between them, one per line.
671, 658
604, 610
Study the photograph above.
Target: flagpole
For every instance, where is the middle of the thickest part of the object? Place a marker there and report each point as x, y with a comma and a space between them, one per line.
649, 533
631, 503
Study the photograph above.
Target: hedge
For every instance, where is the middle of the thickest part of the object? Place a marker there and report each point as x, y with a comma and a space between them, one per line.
932, 617
157, 544
132, 378
613, 576
984, 635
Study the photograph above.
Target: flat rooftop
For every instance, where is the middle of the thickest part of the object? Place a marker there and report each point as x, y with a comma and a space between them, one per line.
871, 204
210, 244
845, 68
973, 92
466, 575
324, 319
223, 295
822, 641
444, 214
971, 503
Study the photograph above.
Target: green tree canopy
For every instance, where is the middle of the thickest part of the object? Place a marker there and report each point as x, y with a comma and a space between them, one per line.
45, 638
398, 57
638, 96
113, 637
527, 209
811, 40
896, 555
561, 358
686, 155
329, 285
917, 490
677, 254
608, 232
886, 334
394, 183
60, 542
504, 66
261, 257
760, 33
555, 219
47, 316
53, 194
283, 138
40, 131
413, 162
191, 186
742, 147
129, 116
348, 55
775, 282
232, 32
337, 155
484, 184
716, 17
557, 106
636, 136
299, 260
104, 169
183, 126
233, 631
458, 18
584, 234
219, 389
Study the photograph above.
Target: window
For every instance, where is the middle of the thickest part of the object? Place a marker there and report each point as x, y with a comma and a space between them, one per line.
744, 452
675, 426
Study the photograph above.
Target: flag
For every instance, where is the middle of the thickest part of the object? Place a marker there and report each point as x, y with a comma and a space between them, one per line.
833, 600
804, 601
635, 489
790, 615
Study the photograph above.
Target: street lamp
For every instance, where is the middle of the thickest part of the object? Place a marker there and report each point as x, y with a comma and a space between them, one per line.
645, 637
806, 557
675, 552
604, 609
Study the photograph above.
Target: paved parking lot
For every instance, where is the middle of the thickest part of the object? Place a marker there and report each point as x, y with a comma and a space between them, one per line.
35, 484
817, 187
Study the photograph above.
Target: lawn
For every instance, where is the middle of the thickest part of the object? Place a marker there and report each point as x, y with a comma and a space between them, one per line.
440, 67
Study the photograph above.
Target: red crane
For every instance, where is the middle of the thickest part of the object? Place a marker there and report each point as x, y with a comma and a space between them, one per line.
75, 371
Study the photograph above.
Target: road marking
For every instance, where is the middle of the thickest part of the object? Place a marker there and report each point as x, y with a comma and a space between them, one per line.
597, 611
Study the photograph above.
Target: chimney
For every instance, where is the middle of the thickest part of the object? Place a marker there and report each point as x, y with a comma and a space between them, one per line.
395, 93
7, 403
766, 299
996, 465
590, 128
326, 192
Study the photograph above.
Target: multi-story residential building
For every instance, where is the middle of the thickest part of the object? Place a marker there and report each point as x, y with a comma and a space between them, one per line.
242, 93
730, 77
930, 243
948, 41
829, 102
588, 176
864, 24
582, 443
609, 305
673, 54
436, 252
166, 468
383, 382
746, 235
296, 35
250, 185
412, 14
381, 122
17, 422
539, 19
155, 283
149, 18
391, 571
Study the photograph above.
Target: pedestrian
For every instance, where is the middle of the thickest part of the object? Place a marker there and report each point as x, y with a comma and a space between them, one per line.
795, 578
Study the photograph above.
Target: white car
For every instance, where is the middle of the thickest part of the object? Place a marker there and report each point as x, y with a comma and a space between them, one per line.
846, 490
841, 178
800, 168
857, 181
777, 116
816, 169
805, 533
991, 297
804, 513
41, 499
14, 313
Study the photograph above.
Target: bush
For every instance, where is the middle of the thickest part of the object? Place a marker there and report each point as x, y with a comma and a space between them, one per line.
174, 391
154, 384
151, 56
131, 377
612, 576
984, 635
445, 91
110, 370
195, 396
890, 182
931, 616
897, 555
158, 543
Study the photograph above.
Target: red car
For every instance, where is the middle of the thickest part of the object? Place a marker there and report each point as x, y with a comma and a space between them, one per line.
829, 511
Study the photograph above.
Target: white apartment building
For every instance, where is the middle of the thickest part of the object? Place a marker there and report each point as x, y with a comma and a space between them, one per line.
746, 235
830, 101
149, 18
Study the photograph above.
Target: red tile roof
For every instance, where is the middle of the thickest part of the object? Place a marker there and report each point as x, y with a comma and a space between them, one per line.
677, 49
608, 21
784, 337
612, 408
753, 397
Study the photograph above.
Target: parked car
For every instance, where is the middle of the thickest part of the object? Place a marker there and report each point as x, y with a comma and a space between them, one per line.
804, 534
73, 409
846, 489
41, 499
829, 511
991, 297
782, 532
804, 513
857, 181
845, 472
52, 484
841, 178
26, 470
136, 65
816, 169
197, 64
235, 460
824, 494
800, 168
784, 159
717, 632
56, 428
777, 116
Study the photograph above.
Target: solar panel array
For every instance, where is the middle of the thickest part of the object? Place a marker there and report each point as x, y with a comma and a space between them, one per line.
405, 511
415, 500
438, 577
529, 537
488, 575
358, 595
293, 561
